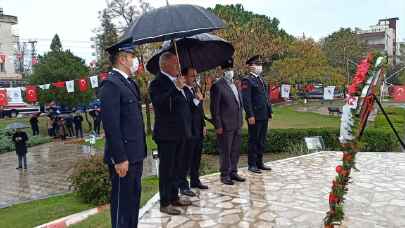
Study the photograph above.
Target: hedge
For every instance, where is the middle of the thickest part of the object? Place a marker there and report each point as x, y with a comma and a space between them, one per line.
281, 140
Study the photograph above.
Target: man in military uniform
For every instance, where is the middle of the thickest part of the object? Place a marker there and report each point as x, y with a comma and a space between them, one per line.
125, 147
256, 103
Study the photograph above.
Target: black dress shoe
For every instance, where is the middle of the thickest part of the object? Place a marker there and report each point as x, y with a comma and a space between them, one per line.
181, 203
227, 181
254, 169
199, 185
264, 167
236, 177
187, 192
170, 210
18, 168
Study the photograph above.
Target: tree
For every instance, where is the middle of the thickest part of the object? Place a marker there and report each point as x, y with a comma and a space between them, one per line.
305, 62
60, 65
56, 45
251, 34
106, 36
126, 12
344, 47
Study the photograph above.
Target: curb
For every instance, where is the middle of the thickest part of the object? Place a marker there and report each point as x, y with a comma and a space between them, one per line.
73, 219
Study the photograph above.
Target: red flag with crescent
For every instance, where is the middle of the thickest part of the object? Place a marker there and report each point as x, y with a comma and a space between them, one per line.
31, 93
59, 84
83, 85
3, 97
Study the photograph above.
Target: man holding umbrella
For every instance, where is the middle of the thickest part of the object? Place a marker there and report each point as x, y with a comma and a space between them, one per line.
172, 128
226, 112
125, 148
258, 111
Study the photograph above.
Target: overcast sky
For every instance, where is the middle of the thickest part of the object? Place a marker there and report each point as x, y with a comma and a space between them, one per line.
74, 20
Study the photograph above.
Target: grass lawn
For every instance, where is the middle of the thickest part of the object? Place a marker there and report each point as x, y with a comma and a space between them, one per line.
287, 117
150, 186
42, 211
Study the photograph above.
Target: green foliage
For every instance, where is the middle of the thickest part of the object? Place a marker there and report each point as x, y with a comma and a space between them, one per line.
56, 66
303, 62
344, 45
106, 36
7, 145
251, 34
56, 45
90, 180
282, 140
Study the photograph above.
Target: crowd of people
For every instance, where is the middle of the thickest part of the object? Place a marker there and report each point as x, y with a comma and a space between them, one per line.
179, 129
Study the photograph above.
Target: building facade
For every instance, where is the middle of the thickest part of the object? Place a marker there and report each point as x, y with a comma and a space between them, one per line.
8, 50
382, 37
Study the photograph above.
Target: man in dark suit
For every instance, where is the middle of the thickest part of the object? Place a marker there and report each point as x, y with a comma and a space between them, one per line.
226, 111
258, 111
194, 145
172, 128
125, 148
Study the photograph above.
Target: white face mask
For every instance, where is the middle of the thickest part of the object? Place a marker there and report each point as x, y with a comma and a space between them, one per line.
228, 75
258, 70
134, 66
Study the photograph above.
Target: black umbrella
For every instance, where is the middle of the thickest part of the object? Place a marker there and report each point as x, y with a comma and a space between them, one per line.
171, 22
202, 52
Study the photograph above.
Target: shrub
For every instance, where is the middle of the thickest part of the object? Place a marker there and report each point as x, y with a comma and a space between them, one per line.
6, 144
90, 180
282, 140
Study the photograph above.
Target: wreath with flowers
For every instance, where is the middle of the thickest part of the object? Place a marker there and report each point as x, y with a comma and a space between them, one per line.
360, 98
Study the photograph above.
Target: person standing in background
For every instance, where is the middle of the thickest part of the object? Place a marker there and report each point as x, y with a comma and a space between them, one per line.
78, 119
34, 124
20, 139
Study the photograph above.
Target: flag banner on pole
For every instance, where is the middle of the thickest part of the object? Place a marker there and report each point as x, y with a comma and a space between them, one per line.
70, 86
83, 86
14, 95
3, 97
329, 92
94, 81
59, 84
45, 86
31, 93
285, 91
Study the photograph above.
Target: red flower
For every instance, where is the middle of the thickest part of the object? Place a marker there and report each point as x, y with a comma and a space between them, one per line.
332, 198
339, 169
352, 89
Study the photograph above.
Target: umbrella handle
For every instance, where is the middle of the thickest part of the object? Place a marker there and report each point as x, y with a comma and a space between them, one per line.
177, 55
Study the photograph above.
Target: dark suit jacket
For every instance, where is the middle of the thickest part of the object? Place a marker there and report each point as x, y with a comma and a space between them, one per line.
256, 100
121, 114
172, 112
197, 115
226, 112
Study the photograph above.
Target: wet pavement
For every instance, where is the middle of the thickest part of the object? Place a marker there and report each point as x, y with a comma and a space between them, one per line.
295, 194
49, 166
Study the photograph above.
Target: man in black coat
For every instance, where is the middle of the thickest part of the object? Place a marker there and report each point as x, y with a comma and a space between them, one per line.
20, 139
172, 128
194, 145
125, 148
78, 119
258, 112
226, 112
34, 124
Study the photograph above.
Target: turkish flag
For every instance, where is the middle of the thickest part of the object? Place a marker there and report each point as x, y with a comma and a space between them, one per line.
59, 84
83, 85
398, 93
31, 93
3, 97
275, 93
103, 75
